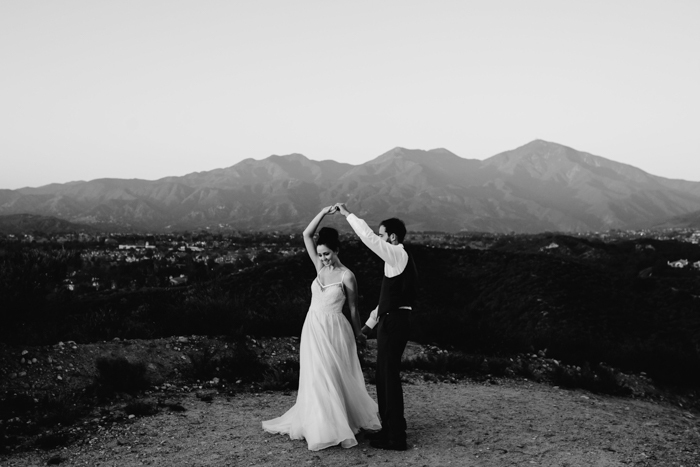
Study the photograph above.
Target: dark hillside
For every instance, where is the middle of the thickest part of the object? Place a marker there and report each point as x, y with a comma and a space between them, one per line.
42, 225
576, 299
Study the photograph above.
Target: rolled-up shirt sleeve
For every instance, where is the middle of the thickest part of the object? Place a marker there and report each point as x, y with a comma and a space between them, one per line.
373, 319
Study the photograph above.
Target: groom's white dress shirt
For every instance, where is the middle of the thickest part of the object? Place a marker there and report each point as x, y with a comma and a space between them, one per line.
394, 256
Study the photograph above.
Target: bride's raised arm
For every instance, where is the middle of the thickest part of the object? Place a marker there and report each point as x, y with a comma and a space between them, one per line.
311, 230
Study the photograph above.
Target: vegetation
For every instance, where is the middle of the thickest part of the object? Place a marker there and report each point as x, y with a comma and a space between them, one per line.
231, 363
582, 300
46, 412
281, 377
511, 305
117, 374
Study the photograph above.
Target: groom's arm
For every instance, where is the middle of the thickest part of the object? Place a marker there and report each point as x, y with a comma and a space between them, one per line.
371, 322
393, 255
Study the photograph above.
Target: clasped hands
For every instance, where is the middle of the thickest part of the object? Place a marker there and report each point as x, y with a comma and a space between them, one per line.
337, 207
361, 340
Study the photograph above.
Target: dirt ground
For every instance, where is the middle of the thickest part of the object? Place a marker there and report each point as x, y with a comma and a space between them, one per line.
497, 422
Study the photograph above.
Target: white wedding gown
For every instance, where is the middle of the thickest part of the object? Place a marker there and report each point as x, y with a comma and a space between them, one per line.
332, 403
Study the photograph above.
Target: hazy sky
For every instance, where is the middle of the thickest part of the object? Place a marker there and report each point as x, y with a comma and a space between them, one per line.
147, 89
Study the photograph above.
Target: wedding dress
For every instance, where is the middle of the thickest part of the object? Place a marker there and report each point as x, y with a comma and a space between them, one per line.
332, 402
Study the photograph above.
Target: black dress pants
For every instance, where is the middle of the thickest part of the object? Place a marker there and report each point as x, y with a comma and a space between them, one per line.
392, 337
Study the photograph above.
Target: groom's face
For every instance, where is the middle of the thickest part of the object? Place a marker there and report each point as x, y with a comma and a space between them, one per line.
383, 235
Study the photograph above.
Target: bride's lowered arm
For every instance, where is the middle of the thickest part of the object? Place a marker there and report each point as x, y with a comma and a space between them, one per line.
350, 284
309, 235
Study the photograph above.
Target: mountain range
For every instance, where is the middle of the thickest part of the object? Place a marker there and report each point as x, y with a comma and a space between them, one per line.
541, 186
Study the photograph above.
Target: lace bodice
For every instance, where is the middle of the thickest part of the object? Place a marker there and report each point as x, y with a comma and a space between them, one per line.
328, 298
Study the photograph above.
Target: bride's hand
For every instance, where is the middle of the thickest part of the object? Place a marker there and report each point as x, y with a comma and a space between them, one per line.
330, 209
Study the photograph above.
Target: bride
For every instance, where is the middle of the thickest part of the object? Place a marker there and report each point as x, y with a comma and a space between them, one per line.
332, 402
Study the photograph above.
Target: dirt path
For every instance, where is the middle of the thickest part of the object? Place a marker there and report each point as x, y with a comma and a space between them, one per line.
514, 423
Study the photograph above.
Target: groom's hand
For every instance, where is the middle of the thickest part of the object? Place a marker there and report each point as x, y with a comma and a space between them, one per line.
343, 209
361, 341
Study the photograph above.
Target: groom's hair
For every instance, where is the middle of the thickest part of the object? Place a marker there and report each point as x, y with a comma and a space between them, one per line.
395, 226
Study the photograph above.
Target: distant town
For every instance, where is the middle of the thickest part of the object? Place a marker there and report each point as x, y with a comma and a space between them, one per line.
118, 261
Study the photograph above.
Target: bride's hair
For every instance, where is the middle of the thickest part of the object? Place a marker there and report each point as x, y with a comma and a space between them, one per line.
328, 236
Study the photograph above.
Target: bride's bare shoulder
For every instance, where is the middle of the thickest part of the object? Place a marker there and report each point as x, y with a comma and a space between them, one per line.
347, 273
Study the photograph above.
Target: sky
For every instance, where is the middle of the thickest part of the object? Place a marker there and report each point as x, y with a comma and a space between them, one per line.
148, 89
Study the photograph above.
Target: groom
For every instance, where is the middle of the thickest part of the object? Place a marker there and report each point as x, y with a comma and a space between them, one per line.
392, 316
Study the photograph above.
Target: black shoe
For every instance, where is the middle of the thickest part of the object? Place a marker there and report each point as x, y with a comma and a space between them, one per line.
375, 435
389, 444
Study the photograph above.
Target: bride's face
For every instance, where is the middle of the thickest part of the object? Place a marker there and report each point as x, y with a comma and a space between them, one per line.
326, 255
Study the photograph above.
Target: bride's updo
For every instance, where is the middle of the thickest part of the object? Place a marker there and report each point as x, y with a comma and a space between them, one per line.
328, 236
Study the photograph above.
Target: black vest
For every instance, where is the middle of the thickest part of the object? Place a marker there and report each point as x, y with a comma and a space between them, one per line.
399, 290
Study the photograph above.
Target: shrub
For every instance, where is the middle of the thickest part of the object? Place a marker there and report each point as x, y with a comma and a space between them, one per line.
203, 364
497, 366
241, 362
117, 374
141, 408
444, 362
526, 369
65, 410
598, 379
233, 363
284, 376
48, 412
53, 440
15, 405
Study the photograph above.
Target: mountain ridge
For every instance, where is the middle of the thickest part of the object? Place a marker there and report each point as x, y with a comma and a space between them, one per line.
539, 186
